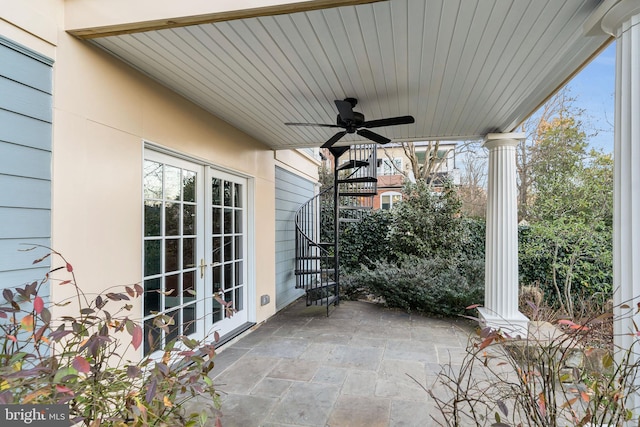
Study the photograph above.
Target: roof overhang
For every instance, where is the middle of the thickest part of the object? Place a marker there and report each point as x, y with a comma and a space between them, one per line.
462, 68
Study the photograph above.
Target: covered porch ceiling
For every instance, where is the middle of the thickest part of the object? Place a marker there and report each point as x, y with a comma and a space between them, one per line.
462, 68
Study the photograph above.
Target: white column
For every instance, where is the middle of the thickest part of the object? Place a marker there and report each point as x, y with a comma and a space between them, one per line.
500, 309
623, 22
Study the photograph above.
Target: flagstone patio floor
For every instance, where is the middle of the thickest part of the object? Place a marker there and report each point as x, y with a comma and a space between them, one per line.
364, 365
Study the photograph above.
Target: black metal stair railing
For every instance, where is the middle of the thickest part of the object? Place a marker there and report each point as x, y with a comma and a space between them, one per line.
314, 258
319, 222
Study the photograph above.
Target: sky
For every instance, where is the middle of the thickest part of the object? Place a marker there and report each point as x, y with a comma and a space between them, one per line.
594, 89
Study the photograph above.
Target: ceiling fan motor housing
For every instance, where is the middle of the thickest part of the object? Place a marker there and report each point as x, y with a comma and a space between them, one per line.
351, 125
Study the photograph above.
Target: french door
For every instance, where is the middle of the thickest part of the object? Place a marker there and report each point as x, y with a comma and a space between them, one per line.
194, 260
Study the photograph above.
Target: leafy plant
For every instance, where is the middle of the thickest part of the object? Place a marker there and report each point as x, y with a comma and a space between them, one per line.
365, 242
572, 263
434, 286
544, 380
78, 359
427, 224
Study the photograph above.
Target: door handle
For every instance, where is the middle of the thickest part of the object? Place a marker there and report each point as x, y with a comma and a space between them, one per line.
203, 265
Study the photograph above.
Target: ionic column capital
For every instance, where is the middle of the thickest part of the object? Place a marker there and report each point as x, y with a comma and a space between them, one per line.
620, 17
493, 140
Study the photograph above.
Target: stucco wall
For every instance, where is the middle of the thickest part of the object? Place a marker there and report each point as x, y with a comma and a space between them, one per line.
103, 111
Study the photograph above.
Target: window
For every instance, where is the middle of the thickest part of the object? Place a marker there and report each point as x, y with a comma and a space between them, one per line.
388, 199
387, 167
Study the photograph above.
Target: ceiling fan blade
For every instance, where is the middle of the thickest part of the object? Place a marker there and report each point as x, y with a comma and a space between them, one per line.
312, 124
391, 121
333, 139
345, 109
374, 136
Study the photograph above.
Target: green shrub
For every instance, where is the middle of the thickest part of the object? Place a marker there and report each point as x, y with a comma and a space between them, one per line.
570, 261
426, 223
365, 242
433, 286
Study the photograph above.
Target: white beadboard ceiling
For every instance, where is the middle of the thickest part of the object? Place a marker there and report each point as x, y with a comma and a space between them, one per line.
462, 68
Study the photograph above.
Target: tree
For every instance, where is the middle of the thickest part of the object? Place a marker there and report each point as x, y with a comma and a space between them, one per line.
559, 155
473, 196
567, 251
528, 156
427, 224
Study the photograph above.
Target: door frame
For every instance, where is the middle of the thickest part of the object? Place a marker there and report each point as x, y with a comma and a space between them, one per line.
250, 212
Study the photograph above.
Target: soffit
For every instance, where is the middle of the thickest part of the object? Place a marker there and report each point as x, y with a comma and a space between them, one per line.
462, 68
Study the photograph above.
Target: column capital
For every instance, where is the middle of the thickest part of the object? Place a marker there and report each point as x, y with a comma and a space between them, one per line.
615, 18
492, 140
610, 16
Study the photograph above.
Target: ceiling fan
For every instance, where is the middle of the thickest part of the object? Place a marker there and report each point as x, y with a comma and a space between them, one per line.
354, 122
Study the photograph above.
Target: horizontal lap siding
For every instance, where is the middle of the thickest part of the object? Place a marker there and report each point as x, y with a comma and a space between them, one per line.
291, 192
25, 163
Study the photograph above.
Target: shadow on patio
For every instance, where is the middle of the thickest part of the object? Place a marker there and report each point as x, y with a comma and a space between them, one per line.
301, 368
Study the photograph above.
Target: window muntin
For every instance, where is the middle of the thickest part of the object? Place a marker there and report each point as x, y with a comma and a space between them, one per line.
170, 226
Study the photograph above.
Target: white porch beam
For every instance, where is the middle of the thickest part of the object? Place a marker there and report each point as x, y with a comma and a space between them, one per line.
98, 18
500, 309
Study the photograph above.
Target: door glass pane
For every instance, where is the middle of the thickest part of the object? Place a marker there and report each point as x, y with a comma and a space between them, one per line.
217, 220
228, 221
217, 249
237, 195
227, 194
189, 220
188, 186
172, 291
188, 287
152, 337
172, 255
217, 278
228, 248
239, 273
238, 300
151, 296
174, 330
152, 258
189, 319
172, 219
216, 192
238, 247
189, 253
216, 314
152, 218
172, 183
228, 276
170, 249
238, 222
152, 180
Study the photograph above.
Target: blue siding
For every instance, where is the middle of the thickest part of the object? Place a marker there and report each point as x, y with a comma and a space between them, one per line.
291, 192
25, 162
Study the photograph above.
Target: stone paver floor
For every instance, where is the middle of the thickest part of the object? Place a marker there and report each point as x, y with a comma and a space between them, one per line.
357, 367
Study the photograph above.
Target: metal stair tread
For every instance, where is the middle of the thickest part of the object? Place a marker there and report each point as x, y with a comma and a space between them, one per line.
364, 179
314, 287
355, 208
357, 194
303, 271
352, 164
324, 301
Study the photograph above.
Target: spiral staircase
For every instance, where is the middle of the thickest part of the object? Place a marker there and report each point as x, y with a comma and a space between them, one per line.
320, 221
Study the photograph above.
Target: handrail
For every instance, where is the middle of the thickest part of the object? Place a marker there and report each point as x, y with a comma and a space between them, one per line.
313, 271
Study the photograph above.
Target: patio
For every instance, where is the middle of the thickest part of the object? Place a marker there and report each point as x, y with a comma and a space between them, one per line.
301, 368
